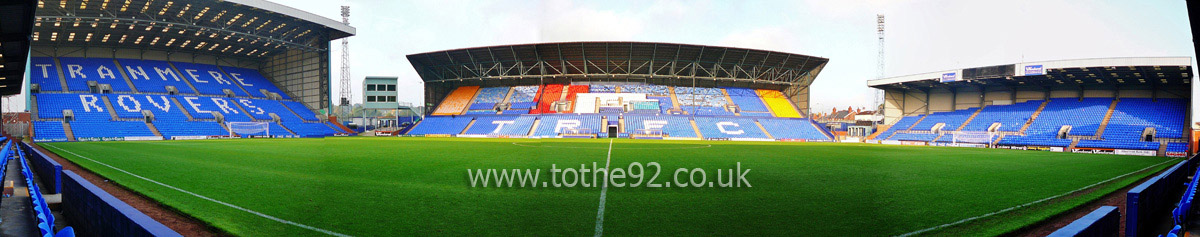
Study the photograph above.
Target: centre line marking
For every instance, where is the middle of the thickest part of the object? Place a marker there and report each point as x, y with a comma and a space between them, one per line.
603, 192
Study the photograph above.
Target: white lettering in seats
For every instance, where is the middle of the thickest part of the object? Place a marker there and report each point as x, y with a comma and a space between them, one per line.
239, 79
195, 106
721, 126
137, 106
89, 102
105, 72
224, 105
133, 73
192, 72
500, 125
217, 75
45, 73
165, 106
75, 69
654, 124
250, 107
163, 72
565, 123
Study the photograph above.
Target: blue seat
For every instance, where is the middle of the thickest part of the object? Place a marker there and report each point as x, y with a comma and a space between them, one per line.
66, 232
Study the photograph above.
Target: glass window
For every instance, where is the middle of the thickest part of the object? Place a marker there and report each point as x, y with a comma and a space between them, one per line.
371, 87
391, 87
370, 98
391, 99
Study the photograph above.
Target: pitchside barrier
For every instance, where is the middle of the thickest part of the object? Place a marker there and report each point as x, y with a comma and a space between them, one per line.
48, 170
1154, 198
1104, 221
92, 210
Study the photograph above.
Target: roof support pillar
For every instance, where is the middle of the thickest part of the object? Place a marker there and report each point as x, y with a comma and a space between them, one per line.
927, 101
1012, 97
953, 99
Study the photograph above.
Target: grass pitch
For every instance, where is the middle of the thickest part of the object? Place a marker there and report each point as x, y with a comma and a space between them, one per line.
418, 186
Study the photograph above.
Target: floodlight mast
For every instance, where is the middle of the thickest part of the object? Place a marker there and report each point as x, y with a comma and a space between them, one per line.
345, 80
879, 69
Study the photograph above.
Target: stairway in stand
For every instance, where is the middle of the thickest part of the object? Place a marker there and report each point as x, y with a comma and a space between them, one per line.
1104, 123
1034, 116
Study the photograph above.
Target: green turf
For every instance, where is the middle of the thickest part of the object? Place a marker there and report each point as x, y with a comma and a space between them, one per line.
418, 186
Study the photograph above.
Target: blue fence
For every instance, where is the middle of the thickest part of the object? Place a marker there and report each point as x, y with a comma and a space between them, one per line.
1104, 221
1153, 198
92, 210
1181, 211
50, 170
41, 210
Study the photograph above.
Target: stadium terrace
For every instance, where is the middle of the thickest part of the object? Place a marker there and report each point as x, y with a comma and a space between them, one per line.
1130, 106
619, 90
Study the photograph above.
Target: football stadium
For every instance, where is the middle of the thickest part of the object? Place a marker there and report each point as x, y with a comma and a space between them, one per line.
220, 118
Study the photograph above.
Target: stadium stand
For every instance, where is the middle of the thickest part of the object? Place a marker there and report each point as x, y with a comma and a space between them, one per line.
728, 127
747, 101
1166, 116
457, 101
779, 105
572, 91
43, 71
252, 81
602, 89
208, 79
50, 131
488, 98
781, 128
501, 125
952, 120
104, 116
550, 94
1083, 115
78, 71
672, 126
1176, 147
1011, 117
553, 125
644, 107
901, 125
441, 125
664, 103
150, 76
656, 90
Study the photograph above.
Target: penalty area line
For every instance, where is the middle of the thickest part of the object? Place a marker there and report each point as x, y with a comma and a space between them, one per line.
603, 192
1028, 204
260, 214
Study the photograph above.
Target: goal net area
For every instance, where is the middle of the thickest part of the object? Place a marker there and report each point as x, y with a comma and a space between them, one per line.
973, 137
248, 128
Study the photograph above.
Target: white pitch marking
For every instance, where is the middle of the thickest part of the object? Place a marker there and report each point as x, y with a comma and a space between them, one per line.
1026, 204
603, 192
628, 148
269, 217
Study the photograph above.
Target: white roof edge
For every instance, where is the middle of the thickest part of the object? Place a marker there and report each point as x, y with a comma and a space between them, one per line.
297, 13
1053, 64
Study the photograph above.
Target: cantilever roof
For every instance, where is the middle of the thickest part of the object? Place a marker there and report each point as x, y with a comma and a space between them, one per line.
617, 59
251, 28
1094, 72
15, 27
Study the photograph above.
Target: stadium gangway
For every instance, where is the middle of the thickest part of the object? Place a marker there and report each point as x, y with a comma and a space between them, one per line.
45, 219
